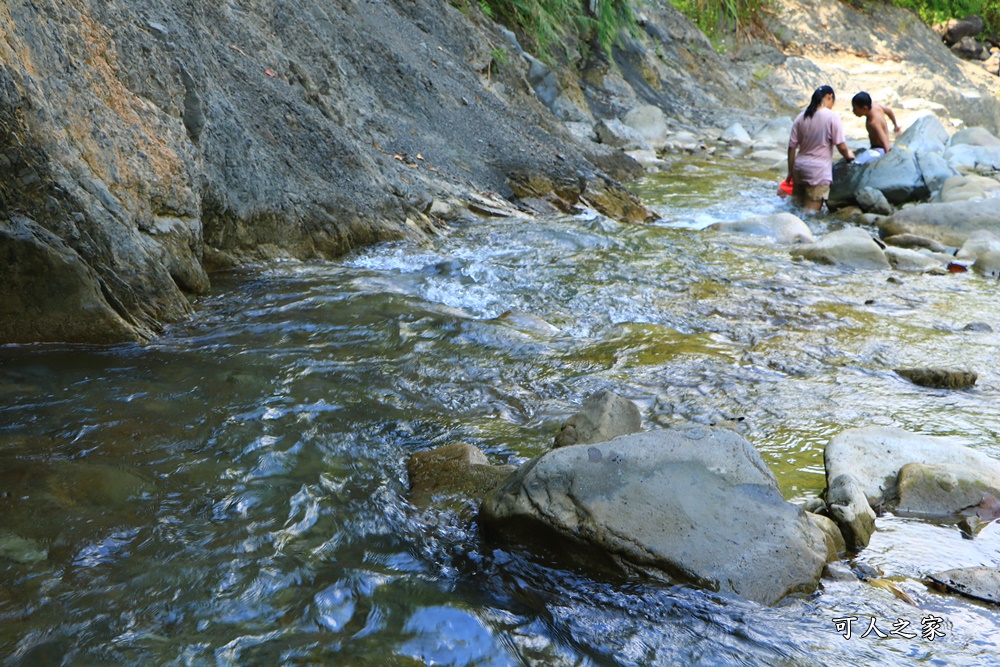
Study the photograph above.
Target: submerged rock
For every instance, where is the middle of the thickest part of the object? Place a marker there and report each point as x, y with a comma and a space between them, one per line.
939, 378
21, 549
981, 583
695, 504
458, 469
604, 415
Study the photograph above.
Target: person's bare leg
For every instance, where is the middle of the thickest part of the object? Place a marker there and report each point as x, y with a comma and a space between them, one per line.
811, 205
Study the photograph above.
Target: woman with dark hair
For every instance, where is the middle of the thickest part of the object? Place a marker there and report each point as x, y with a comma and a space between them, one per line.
815, 133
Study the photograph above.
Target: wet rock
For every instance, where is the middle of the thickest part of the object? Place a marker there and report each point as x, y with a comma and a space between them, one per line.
603, 416
914, 241
782, 227
959, 188
934, 169
873, 457
839, 571
849, 509
616, 202
979, 327
21, 549
835, 543
851, 247
979, 243
903, 259
939, 378
695, 504
68, 306
873, 201
988, 264
924, 135
974, 136
980, 583
527, 323
943, 489
459, 469
966, 158
949, 224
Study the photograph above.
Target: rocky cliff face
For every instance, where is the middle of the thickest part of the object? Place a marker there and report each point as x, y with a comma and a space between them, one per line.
142, 143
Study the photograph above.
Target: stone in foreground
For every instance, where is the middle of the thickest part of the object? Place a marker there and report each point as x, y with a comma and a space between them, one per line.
694, 504
981, 583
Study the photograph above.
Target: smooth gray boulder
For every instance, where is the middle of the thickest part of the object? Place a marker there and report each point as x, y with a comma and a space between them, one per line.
981, 583
924, 135
988, 264
943, 489
949, 224
603, 416
874, 455
966, 158
695, 504
960, 188
774, 132
848, 507
934, 169
782, 227
650, 122
974, 136
911, 261
897, 175
852, 247
978, 243
736, 134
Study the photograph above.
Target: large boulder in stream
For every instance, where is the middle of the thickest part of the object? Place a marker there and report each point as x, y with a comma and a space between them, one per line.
782, 227
950, 477
950, 224
694, 503
899, 174
851, 247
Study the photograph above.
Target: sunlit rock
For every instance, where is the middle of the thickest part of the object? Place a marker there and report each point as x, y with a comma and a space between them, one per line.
950, 224
782, 227
847, 505
904, 259
943, 489
852, 247
694, 504
604, 415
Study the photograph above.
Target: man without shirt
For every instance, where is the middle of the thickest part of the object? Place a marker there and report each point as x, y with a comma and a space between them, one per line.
878, 130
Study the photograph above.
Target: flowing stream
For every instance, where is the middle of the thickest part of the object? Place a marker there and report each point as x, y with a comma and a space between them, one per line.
235, 492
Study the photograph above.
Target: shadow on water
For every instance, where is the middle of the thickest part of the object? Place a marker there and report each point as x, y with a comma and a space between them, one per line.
235, 492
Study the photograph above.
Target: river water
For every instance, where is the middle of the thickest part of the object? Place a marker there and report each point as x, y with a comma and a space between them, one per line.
234, 493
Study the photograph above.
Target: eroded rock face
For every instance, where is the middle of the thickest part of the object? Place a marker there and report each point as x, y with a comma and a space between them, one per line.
943, 489
604, 416
694, 504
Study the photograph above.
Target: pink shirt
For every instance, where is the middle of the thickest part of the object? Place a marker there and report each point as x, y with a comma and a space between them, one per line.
816, 138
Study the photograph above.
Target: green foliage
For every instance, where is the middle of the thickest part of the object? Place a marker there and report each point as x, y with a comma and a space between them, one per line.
718, 17
936, 11
500, 56
550, 25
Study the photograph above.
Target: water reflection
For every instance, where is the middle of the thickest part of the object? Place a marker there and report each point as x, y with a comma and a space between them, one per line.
235, 492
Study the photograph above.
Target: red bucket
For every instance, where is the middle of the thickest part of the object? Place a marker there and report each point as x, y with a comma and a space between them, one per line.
785, 188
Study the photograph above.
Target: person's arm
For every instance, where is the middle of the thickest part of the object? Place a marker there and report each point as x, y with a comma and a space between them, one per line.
846, 152
895, 126
791, 162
